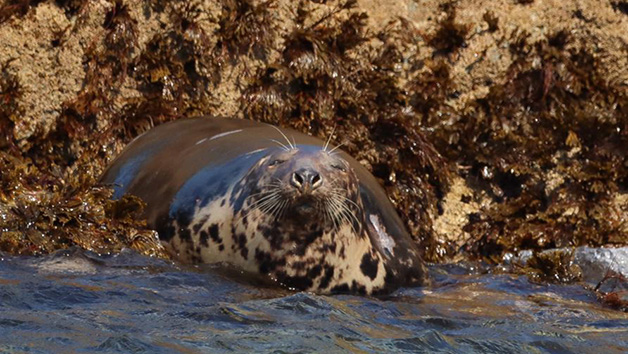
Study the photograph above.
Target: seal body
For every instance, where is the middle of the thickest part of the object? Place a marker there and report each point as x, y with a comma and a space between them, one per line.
268, 201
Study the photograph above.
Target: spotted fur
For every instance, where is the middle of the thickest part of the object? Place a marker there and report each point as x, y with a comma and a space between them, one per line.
330, 234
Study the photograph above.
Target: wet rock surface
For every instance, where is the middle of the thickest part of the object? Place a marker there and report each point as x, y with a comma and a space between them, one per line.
493, 131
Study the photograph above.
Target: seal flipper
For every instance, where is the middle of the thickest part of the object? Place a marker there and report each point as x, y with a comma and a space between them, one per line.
389, 236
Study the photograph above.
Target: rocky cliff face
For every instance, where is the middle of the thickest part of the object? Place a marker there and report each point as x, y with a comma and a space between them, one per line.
495, 126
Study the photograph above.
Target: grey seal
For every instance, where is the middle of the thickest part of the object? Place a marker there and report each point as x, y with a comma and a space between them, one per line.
268, 201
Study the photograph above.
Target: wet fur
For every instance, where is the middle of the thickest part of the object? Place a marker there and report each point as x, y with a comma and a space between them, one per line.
261, 231
219, 191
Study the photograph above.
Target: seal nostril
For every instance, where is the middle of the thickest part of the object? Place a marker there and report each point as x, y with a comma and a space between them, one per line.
297, 179
316, 180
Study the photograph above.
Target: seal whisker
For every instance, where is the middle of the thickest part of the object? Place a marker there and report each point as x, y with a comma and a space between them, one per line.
266, 201
306, 216
252, 195
341, 193
268, 207
283, 209
261, 205
329, 139
346, 204
346, 214
264, 196
328, 213
336, 212
292, 147
285, 148
343, 215
274, 208
335, 148
352, 203
351, 216
347, 200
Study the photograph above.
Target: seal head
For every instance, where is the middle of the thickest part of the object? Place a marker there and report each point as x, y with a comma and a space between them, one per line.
305, 183
299, 211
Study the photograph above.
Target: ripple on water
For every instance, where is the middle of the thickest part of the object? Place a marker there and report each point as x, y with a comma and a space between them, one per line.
76, 301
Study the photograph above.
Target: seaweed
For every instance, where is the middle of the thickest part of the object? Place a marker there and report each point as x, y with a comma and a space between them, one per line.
18, 8
545, 122
121, 37
107, 62
331, 73
491, 20
41, 212
555, 266
50, 198
621, 6
246, 28
265, 98
176, 67
10, 110
614, 298
72, 7
450, 35
545, 146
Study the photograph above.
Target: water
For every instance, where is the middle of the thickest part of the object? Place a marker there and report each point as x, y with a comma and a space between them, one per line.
73, 301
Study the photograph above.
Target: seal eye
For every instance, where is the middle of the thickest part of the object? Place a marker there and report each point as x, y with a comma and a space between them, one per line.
339, 167
276, 162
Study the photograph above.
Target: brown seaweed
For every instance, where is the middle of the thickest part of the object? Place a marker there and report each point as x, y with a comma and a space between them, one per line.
329, 76
546, 145
552, 267
10, 93
450, 35
42, 212
613, 297
544, 119
621, 6
18, 8
246, 28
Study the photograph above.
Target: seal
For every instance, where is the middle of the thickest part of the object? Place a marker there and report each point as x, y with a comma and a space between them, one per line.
268, 201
